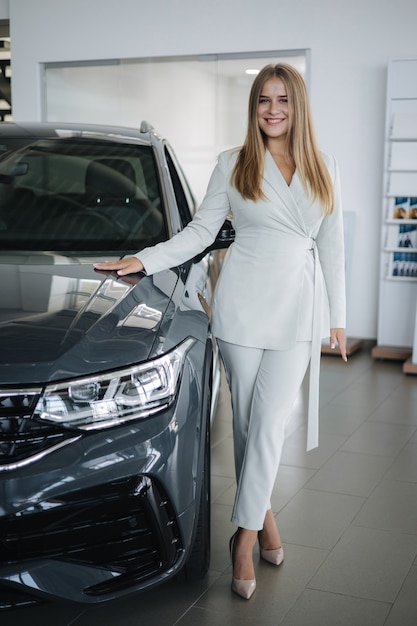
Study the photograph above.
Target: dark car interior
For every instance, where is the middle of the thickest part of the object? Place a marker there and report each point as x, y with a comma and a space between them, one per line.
72, 194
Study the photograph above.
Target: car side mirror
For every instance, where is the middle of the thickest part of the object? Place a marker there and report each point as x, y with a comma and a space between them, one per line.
224, 238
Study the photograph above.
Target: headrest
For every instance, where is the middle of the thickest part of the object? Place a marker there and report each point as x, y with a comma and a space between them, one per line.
110, 178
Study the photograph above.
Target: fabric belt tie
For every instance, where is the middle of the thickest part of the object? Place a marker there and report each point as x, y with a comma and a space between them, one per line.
313, 396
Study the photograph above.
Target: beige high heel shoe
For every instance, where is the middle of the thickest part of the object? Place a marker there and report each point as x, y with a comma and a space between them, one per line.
275, 556
243, 588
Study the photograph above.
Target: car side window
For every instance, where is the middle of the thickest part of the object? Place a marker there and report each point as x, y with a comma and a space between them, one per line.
183, 195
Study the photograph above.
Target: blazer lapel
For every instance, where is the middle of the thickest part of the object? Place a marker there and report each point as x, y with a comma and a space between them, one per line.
276, 184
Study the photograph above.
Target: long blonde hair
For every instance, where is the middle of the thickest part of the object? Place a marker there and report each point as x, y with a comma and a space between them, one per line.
301, 145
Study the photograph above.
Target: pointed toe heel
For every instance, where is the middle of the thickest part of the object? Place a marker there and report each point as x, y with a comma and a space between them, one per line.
273, 556
243, 588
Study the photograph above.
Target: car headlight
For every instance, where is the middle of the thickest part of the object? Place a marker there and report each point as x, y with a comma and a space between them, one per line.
110, 399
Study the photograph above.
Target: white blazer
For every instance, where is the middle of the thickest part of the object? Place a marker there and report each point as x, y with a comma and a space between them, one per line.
283, 278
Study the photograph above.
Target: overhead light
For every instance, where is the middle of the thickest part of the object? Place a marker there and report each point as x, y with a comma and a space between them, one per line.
252, 71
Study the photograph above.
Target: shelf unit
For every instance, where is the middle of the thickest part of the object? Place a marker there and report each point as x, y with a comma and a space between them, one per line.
398, 262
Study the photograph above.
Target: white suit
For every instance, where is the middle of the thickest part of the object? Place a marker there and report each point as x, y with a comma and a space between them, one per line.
282, 280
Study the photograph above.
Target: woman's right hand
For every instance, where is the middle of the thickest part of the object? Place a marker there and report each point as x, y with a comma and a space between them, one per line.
128, 265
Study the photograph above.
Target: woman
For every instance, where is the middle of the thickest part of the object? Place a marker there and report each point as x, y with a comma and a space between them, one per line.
280, 290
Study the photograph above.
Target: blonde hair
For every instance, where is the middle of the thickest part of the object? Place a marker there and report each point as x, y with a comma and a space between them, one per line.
301, 145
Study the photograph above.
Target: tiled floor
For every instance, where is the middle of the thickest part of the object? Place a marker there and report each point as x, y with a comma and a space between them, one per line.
347, 513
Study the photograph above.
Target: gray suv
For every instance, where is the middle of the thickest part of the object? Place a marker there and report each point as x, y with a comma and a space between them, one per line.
107, 385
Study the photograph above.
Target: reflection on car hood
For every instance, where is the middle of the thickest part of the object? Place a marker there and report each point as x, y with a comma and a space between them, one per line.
59, 318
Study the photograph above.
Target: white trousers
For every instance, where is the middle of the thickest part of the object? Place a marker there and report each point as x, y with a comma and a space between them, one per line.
264, 385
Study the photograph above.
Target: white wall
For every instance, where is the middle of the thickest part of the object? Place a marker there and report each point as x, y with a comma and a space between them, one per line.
351, 44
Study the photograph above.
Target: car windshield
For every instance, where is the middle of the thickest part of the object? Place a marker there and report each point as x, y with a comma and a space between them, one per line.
79, 194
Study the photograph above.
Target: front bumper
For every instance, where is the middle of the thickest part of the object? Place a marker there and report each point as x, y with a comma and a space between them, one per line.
95, 544
111, 513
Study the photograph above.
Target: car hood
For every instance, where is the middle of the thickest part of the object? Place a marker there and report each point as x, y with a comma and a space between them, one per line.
59, 318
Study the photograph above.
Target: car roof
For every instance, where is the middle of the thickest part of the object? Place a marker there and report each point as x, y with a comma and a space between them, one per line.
145, 134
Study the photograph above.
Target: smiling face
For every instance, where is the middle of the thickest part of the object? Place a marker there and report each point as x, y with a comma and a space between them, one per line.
272, 110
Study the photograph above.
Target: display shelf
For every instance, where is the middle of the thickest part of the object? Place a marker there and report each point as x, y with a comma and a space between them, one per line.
401, 249
398, 257
392, 353
404, 139
409, 367
398, 222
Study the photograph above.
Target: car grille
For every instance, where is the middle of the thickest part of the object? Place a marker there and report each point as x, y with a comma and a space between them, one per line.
11, 598
127, 526
21, 436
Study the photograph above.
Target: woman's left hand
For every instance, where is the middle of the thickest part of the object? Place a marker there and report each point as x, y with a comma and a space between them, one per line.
127, 265
337, 337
